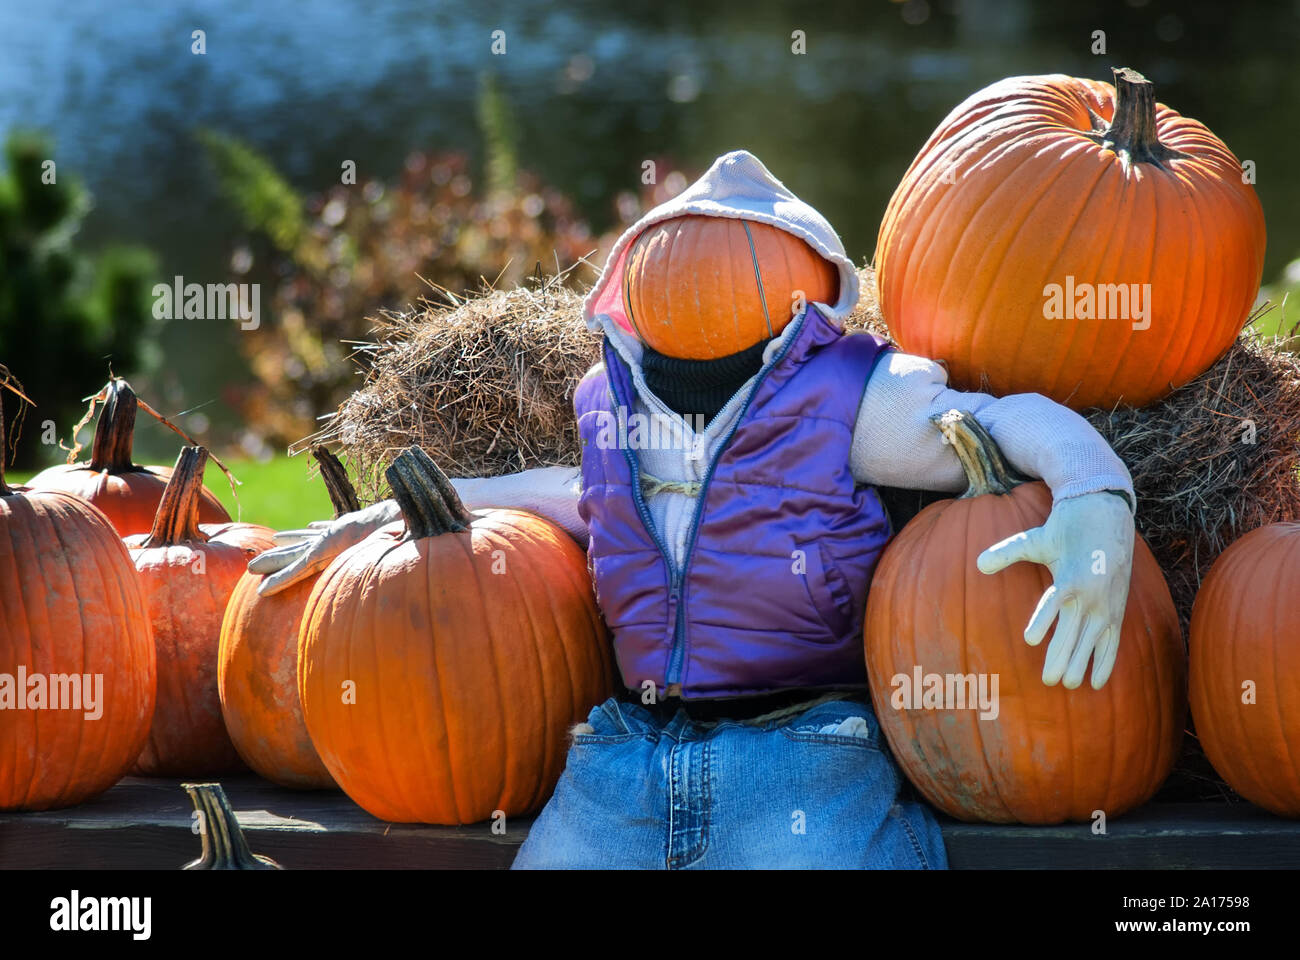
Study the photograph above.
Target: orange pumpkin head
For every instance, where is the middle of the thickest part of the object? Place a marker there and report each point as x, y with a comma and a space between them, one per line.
1049, 754
127, 493
188, 574
73, 625
1070, 238
257, 665
1245, 667
699, 288
443, 660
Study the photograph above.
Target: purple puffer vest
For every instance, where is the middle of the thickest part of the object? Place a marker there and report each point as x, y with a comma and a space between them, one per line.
773, 584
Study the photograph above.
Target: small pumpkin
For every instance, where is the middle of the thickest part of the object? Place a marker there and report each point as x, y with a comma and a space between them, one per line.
257, 665
70, 606
699, 287
1050, 754
188, 573
443, 659
127, 493
1042, 210
1245, 667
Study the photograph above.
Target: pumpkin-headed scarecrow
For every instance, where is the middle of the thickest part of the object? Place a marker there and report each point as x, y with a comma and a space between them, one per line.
734, 440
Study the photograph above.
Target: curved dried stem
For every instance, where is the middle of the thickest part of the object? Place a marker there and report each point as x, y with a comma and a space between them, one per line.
343, 496
987, 470
115, 432
1132, 132
428, 501
224, 844
177, 518
114, 454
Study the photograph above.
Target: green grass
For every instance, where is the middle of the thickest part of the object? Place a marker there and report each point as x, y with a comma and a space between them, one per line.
277, 493
1282, 319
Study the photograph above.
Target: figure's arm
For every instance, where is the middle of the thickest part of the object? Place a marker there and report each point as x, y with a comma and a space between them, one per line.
895, 442
1087, 540
551, 492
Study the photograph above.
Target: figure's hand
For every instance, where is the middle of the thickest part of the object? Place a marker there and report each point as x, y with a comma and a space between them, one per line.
301, 553
1087, 544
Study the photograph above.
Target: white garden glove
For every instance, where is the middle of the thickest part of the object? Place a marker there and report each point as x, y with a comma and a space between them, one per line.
301, 553
1087, 544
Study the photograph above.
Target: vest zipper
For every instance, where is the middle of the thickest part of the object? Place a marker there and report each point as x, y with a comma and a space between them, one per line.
643, 511
679, 646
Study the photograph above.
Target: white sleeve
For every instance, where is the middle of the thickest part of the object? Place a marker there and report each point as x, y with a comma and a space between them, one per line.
895, 443
551, 492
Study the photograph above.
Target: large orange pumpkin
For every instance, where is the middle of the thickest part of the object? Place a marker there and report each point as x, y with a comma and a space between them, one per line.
127, 493
1011, 248
443, 659
1050, 754
698, 287
257, 665
70, 606
1245, 667
188, 574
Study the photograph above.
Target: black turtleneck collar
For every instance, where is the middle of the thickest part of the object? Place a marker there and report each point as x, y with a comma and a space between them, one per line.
700, 387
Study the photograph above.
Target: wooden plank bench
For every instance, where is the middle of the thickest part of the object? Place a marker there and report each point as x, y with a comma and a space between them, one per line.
146, 824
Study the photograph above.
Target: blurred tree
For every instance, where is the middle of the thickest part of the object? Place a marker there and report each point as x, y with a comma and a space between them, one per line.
264, 199
500, 136
65, 317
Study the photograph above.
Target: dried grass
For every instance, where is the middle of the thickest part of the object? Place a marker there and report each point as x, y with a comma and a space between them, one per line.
1215, 459
484, 384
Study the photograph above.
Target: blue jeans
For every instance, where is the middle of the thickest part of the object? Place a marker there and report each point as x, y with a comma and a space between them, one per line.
815, 788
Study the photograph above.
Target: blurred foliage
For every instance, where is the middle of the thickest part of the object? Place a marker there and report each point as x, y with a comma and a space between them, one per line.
500, 135
331, 260
65, 316
265, 200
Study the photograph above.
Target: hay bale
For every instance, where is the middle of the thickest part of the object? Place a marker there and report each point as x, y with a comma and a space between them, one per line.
1215, 459
866, 315
485, 384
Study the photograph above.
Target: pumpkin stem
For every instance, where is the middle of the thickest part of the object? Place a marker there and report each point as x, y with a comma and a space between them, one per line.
1132, 131
177, 519
343, 496
429, 503
115, 431
987, 470
224, 844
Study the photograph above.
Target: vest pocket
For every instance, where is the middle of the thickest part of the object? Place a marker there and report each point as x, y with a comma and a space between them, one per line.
826, 588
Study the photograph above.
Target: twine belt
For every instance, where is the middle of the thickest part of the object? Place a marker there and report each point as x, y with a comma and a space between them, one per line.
650, 485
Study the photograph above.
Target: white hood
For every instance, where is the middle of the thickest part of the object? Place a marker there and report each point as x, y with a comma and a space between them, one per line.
737, 186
